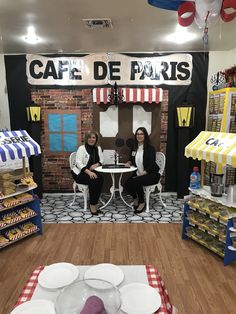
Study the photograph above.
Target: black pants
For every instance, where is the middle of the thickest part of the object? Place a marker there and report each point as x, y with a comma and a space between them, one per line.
134, 185
95, 185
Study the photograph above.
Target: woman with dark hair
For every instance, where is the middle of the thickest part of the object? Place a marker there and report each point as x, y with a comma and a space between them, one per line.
143, 156
88, 157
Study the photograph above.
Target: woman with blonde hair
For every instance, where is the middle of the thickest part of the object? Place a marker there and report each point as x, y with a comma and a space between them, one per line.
88, 157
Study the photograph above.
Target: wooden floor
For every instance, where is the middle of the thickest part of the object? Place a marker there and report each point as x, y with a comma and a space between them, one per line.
196, 279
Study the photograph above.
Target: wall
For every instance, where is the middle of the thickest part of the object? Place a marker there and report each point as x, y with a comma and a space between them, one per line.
4, 107
219, 61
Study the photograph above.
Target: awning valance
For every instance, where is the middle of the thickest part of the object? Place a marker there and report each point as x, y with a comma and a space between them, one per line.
16, 145
149, 95
213, 146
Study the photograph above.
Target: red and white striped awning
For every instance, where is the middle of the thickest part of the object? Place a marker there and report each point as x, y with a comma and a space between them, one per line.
149, 95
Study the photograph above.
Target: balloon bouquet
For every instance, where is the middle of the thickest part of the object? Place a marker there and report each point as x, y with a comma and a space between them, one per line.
204, 12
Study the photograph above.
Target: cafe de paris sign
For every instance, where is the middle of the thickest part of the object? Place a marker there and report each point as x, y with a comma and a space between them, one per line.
102, 69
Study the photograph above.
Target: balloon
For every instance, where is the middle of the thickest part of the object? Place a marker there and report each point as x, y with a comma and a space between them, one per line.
207, 12
228, 16
186, 13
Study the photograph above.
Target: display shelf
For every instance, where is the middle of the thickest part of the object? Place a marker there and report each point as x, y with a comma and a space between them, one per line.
11, 204
33, 204
221, 106
221, 219
30, 188
17, 222
221, 117
205, 245
205, 193
206, 229
19, 204
189, 230
23, 237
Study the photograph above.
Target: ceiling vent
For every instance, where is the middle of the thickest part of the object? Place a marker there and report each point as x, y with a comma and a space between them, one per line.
97, 23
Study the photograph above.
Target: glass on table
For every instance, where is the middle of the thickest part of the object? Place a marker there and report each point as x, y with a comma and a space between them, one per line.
85, 295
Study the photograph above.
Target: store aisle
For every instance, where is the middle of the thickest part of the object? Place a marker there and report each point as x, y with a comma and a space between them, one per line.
56, 209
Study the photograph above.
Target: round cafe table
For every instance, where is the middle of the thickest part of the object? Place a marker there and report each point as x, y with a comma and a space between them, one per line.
113, 188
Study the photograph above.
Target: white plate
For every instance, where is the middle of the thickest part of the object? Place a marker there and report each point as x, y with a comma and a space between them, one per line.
35, 307
138, 298
108, 272
58, 275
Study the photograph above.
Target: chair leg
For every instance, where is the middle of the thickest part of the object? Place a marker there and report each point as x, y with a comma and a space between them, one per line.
85, 194
163, 204
101, 200
147, 194
74, 189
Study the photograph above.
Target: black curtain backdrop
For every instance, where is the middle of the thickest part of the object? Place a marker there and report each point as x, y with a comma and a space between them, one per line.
19, 95
196, 95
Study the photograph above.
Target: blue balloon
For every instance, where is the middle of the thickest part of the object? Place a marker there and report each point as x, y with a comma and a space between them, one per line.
166, 4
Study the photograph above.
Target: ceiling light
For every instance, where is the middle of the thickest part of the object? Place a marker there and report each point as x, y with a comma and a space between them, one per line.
181, 35
31, 37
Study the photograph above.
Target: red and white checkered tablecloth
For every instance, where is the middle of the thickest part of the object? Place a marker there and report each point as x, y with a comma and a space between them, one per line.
30, 286
154, 281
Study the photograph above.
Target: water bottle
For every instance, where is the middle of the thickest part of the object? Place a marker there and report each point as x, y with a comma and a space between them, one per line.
195, 179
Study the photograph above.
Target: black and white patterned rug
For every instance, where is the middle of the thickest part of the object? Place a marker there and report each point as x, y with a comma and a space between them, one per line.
56, 209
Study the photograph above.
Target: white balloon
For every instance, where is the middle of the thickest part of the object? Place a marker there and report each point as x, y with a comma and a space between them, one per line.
207, 11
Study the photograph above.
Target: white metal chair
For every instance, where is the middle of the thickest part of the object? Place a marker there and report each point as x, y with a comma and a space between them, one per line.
161, 161
81, 187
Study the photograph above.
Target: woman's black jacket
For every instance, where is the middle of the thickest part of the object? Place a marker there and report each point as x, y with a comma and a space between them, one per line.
149, 159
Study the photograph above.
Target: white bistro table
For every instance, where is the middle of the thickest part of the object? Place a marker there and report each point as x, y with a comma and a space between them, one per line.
113, 188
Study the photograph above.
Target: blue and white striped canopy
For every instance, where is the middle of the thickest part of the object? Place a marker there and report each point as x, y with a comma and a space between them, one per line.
16, 145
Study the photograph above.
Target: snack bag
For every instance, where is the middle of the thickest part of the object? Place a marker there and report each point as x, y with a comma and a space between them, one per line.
14, 234
3, 240
28, 227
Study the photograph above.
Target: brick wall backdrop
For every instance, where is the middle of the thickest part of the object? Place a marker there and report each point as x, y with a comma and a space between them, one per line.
55, 167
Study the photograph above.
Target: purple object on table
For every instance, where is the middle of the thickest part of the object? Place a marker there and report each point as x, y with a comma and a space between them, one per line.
94, 305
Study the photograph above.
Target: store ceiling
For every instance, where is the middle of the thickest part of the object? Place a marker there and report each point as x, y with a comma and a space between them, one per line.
137, 27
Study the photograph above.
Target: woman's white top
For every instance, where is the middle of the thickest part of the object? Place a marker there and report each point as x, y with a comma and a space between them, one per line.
139, 160
82, 158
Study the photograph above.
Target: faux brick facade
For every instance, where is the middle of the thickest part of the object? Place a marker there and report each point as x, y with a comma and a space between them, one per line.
55, 167
56, 175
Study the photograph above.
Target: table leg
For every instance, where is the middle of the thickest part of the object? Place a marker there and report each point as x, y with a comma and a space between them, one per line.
112, 190
121, 190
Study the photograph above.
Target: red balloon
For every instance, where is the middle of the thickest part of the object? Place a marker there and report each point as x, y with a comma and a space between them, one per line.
186, 7
228, 4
